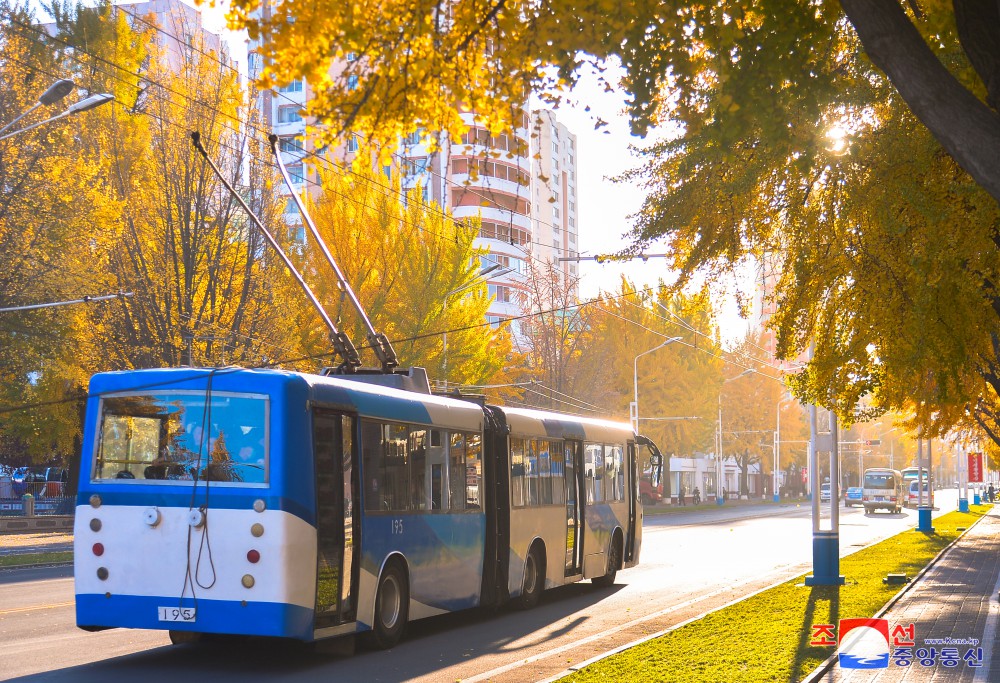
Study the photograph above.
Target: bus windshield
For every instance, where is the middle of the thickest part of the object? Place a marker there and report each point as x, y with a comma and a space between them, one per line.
879, 480
162, 437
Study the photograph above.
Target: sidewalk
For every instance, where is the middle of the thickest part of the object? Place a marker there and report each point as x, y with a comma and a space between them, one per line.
955, 599
36, 542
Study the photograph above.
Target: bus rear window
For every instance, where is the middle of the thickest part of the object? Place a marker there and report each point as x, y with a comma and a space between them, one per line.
163, 437
879, 481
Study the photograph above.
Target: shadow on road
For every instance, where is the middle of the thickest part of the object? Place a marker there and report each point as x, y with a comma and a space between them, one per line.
467, 636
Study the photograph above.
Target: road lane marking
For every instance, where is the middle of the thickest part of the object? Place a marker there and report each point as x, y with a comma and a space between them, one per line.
36, 607
486, 675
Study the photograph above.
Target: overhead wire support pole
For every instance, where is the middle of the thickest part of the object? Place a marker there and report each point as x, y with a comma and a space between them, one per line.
342, 344
379, 342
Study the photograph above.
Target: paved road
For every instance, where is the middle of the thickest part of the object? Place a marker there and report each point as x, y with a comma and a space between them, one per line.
691, 562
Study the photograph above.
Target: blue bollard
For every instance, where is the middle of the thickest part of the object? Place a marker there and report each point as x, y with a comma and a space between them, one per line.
963, 504
826, 560
924, 520
975, 499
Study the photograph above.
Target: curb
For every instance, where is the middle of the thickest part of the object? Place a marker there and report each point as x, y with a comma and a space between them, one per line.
815, 673
40, 565
576, 667
827, 664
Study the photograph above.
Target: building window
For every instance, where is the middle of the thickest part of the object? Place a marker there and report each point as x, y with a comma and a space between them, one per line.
352, 143
289, 114
297, 174
294, 86
413, 138
290, 145
352, 82
501, 293
351, 56
291, 208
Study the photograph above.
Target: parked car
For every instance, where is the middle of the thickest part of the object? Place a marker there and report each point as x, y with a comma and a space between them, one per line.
913, 494
853, 496
39, 481
824, 492
649, 494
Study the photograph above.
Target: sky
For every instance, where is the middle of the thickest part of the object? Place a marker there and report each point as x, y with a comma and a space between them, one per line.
603, 207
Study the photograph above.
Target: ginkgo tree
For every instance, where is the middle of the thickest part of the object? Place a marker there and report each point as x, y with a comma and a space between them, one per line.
414, 268
384, 68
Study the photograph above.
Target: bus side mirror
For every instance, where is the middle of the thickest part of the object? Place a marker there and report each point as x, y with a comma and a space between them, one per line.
656, 462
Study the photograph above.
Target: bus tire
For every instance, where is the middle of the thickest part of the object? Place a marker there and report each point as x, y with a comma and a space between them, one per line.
614, 561
185, 637
533, 582
392, 607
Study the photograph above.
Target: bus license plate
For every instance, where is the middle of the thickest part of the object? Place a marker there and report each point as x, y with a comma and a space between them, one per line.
879, 499
176, 614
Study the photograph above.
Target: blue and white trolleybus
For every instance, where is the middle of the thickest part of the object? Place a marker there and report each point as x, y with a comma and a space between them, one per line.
274, 503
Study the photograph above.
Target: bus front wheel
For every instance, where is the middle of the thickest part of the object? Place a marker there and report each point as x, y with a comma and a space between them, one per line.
614, 561
392, 605
534, 580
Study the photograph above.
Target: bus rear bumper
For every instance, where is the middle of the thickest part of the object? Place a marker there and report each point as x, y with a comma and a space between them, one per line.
98, 612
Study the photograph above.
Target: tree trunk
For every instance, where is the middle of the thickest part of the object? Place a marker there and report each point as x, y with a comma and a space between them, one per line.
964, 125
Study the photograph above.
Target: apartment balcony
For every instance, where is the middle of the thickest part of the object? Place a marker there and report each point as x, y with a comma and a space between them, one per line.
489, 213
491, 183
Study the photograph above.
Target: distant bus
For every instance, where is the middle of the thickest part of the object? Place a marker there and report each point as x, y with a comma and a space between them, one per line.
912, 473
884, 489
271, 503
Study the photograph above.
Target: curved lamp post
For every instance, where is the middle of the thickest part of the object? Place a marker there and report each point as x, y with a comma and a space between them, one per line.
634, 408
75, 108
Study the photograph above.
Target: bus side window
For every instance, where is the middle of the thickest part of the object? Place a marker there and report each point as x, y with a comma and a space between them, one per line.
517, 472
456, 472
473, 471
372, 457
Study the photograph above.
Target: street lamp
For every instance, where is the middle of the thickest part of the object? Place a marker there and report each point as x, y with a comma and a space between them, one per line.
52, 94
444, 311
718, 460
634, 408
75, 108
777, 447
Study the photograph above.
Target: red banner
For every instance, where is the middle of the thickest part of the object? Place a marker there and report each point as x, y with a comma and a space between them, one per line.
975, 468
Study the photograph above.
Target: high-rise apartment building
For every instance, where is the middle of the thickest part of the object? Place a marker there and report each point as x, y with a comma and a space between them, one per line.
181, 32
522, 186
554, 219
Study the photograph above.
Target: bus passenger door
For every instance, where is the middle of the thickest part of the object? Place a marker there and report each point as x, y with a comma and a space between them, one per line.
632, 495
336, 493
573, 481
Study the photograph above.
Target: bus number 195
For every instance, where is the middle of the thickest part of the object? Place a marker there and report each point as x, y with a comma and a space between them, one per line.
397, 527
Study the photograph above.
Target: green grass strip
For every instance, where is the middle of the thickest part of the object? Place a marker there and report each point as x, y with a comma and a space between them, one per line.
36, 558
766, 637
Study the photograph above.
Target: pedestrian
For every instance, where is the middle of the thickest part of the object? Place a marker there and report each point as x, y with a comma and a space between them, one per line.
681, 495
990, 492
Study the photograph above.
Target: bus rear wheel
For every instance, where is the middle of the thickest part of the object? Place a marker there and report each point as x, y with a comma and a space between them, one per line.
534, 580
614, 561
185, 637
392, 607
